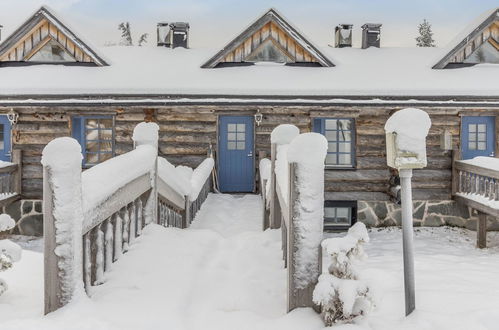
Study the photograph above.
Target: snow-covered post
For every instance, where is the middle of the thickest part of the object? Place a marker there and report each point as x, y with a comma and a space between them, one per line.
280, 137
62, 222
147, 134
406, 132
306, 155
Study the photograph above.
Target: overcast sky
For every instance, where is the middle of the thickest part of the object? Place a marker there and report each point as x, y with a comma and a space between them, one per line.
215, 22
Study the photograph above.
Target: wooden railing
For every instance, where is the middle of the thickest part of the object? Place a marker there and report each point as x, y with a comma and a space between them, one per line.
478, 188
83, 234
286, 211
10, 180
175, 210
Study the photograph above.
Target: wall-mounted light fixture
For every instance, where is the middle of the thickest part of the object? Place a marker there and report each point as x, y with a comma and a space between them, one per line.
258, 117
12, 116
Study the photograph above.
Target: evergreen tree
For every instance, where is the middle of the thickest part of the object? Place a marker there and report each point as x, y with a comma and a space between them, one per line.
126, 34
425, 38
143, 39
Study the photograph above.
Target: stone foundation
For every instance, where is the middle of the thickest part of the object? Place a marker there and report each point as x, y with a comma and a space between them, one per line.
28, 217
426, 213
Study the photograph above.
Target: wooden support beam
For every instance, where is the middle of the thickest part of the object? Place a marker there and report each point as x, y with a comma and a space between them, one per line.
482, 230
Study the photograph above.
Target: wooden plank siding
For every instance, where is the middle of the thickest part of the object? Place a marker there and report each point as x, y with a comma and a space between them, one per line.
274, 32
186, 132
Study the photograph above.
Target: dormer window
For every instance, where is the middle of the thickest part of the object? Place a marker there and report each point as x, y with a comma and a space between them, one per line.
52, 51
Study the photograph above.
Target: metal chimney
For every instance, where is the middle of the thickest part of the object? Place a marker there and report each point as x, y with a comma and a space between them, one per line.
173, 35
343, 35
371, 35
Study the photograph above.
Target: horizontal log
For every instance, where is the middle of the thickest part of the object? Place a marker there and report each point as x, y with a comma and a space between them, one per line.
355, 186
356, 196
357, 175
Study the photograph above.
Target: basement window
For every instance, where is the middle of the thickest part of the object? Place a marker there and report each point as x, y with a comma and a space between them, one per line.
96, 137
339, 215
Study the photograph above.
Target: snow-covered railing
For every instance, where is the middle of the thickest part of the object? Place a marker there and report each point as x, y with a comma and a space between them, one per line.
181, 198
476, 184
265, 172
297, 198
10, 179
91, 218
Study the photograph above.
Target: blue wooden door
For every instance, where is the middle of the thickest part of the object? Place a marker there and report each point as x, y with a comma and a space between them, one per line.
478, 136
236, 168
5, 154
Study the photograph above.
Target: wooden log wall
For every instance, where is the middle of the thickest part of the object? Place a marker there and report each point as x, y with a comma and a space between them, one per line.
187, 131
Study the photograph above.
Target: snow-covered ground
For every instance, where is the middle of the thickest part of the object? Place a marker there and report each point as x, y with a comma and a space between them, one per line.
225, 273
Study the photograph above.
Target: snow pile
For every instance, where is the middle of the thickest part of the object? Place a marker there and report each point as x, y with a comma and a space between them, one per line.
62, 160
340, 293
6, 222
282, 135
104, 179
146, 133
308, 151
5, 164
411, 127
199, 177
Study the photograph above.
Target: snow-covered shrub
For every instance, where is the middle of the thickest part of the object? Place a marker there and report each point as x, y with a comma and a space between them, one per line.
340, 293
10, 252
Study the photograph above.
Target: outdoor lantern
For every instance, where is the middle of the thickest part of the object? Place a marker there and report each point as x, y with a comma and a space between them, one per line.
258, 118
446, 140
12, 116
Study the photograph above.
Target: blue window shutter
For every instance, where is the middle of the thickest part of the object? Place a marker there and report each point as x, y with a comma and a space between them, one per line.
77, 125
317, 127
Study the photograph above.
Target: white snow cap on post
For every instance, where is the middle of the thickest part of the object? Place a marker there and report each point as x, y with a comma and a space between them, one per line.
406, 138
308, 151
146, 133
284, 134
62, 159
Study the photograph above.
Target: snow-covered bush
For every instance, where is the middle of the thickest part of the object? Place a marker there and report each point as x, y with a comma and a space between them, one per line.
340, 293
10, 252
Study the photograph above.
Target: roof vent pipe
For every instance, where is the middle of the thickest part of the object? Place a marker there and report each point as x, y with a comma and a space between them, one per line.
371, 35
343, 35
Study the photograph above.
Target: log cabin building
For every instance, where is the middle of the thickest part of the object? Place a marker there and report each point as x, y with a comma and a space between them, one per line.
53, 84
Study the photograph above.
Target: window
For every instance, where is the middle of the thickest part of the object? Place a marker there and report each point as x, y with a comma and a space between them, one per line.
52, 51
236, 136
340, 135
339, 215
96, 137
477, 136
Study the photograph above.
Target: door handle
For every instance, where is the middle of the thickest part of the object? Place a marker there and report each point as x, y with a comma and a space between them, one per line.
492, 154
250, 154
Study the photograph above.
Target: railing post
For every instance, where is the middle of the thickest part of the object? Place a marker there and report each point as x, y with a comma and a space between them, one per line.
482, 230
17, 176
456, 155
62, 222
147, 134
187, 213
275, 210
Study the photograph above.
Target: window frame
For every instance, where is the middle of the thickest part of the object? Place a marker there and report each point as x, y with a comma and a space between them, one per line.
79, 133
318, 126
352, 205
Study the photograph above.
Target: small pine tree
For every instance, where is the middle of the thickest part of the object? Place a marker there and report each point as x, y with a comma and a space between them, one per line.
425, 38
143, 39
126, 34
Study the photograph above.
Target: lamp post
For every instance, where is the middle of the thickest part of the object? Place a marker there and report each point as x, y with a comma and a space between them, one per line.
406, 132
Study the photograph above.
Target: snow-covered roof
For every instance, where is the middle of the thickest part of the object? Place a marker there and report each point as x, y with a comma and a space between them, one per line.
14, 43
157, 70
461, 40
272, 15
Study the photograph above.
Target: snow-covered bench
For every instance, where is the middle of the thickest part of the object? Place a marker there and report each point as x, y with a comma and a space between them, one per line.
91, 218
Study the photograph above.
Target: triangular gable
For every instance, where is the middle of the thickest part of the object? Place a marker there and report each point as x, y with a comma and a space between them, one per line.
44, 30
481, 36
272, 34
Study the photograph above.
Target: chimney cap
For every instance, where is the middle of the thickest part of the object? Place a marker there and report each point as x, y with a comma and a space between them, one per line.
180, 25
371, 26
